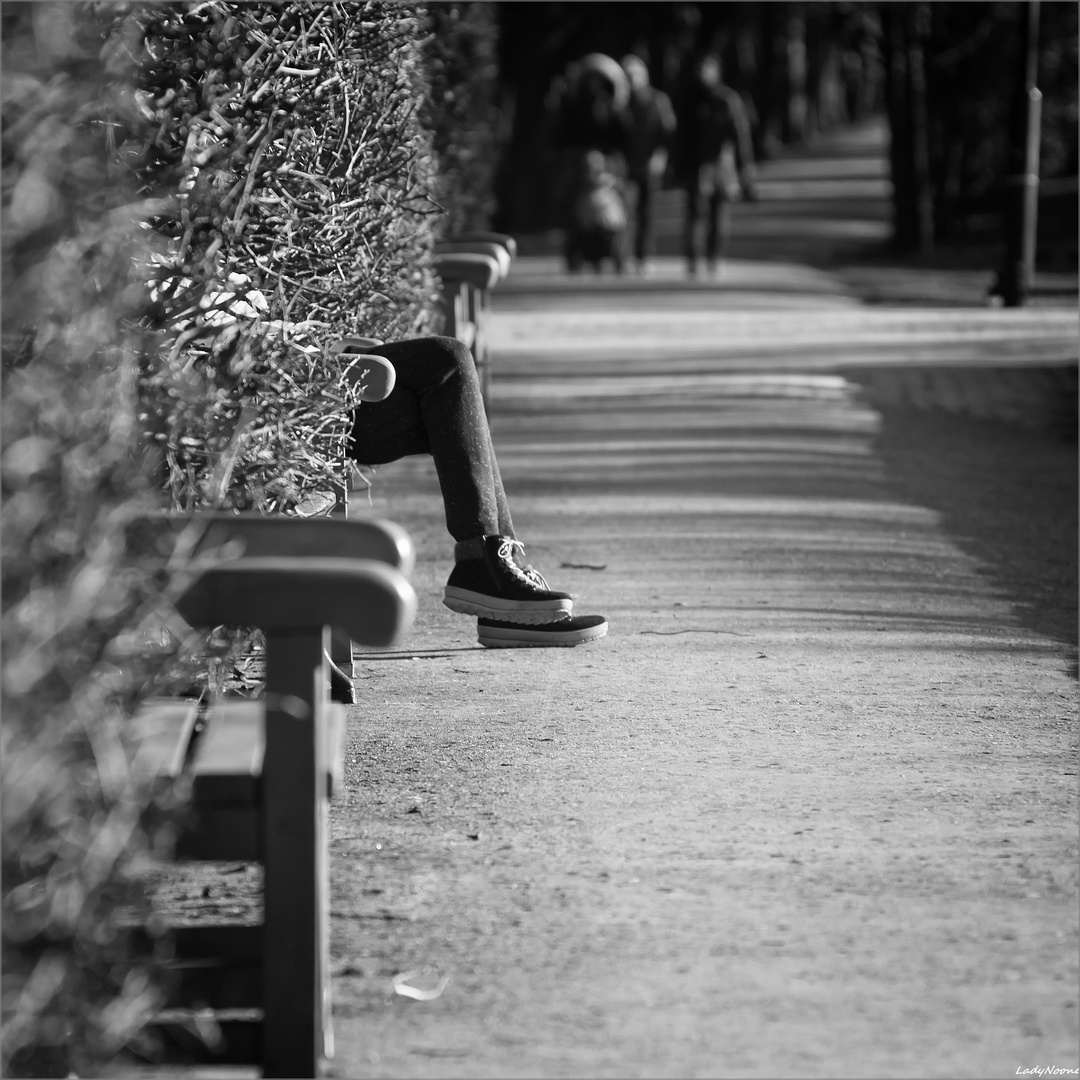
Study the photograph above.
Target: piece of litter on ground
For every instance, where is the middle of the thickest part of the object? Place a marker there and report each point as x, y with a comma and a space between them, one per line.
404, 987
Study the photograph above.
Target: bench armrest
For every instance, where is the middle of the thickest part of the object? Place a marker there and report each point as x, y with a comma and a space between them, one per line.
371, 602
505, 239
479, 271
476, 247
254, 535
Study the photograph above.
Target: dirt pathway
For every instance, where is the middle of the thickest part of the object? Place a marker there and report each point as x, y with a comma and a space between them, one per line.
810, 809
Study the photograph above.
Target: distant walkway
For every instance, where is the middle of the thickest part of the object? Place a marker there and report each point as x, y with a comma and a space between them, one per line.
790, 298
817, 203
822, 206
820, 203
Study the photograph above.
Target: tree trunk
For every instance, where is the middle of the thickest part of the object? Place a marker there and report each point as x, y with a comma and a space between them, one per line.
1022, 181
909, 151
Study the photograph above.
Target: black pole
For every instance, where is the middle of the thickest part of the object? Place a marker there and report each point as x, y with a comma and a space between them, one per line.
1022, 181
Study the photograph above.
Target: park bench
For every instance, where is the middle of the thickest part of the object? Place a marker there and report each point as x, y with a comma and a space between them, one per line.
372, 378
469, 266
261, 772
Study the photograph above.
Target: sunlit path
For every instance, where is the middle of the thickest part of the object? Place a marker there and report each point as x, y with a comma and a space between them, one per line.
817, 789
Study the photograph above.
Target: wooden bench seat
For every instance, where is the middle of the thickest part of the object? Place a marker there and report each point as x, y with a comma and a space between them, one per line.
218, 751
261, 771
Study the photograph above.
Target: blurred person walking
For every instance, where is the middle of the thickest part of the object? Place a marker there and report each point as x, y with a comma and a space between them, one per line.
648, 142
591, 133
715, 160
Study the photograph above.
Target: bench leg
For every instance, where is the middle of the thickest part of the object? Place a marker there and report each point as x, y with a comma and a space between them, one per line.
296, 891
341, 655
481, 348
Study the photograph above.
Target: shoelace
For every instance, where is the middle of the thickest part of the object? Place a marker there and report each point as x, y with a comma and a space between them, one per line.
507, 549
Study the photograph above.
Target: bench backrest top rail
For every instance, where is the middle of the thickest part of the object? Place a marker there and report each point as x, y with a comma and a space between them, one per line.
505, 239
254, 535
370, 601
477, 247
479, 271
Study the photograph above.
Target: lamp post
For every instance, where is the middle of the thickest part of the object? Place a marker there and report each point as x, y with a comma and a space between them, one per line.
1021, 202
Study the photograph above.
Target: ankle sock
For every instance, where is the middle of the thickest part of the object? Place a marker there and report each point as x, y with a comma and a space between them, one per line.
464, 550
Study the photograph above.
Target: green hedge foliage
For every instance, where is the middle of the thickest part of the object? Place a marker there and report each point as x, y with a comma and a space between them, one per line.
198, 198
79, 569
292, 134
461, 110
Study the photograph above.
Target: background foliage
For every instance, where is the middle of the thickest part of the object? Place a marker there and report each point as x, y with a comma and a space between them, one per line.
461, 111
803, 66
78, 572
969, 57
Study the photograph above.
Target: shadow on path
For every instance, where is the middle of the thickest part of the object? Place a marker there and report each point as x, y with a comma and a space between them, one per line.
1006, 492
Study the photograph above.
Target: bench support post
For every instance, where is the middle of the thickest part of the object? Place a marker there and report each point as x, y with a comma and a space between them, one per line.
295, 976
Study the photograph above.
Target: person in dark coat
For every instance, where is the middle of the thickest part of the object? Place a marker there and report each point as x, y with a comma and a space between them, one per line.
591, 132
651, 130
591, 109
715, 160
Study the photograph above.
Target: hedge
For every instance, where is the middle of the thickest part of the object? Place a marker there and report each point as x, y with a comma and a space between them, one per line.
293, 134
198, 197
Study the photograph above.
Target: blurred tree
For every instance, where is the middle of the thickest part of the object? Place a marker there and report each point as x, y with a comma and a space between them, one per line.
906, 30
461, 111
941, 71
953, 71
1021, 182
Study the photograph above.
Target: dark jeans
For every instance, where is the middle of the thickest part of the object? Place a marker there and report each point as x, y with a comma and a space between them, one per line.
435, 408
644, 187
717, 224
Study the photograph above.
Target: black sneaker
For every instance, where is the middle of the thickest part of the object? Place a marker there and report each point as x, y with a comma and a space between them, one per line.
499, 586
577, 630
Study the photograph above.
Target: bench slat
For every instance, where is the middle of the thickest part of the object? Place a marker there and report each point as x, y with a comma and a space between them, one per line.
214, 984
236, 944
229, 755
227, 768
228, 759
229, 834
241, 1037
163, 729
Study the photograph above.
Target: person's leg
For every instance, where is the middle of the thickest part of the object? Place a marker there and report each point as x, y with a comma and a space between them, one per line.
645, 218
641, 213
436, 408
690, 224
719, 228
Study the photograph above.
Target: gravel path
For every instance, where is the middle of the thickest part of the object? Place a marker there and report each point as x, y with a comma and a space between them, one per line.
809, 810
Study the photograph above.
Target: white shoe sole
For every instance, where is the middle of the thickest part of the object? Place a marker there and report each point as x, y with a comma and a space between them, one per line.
466, 602
498, 637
